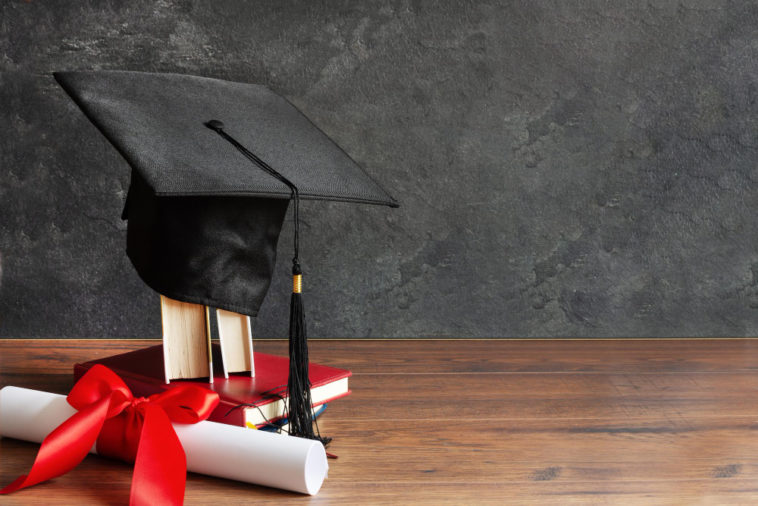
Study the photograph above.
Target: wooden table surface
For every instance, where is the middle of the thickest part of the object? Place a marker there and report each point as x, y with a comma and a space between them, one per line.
477, 422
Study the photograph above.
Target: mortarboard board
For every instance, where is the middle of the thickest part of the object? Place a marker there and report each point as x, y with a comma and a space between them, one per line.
214, 167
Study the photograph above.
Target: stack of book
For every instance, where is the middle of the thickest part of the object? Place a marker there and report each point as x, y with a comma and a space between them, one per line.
246, 401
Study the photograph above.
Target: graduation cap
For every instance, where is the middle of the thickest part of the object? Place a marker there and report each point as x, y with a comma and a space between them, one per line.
215, 165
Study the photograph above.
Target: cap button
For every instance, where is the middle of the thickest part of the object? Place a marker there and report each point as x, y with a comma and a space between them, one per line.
215, 124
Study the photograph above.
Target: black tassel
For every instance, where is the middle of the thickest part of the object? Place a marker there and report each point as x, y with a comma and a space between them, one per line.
299, 404
299, 414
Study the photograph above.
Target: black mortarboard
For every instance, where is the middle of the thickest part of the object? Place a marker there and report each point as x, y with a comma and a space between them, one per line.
214, 166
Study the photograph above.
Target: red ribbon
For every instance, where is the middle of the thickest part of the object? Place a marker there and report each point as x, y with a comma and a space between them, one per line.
132, 429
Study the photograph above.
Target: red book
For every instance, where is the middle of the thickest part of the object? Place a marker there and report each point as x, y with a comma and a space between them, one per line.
244, 400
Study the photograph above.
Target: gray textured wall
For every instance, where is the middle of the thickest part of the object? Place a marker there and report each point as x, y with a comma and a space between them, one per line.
565, 168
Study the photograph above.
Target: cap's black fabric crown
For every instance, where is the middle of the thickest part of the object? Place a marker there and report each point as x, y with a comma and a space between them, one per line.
204, 223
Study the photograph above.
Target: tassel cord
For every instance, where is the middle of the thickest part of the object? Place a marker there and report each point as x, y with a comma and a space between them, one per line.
299, 404
218, 127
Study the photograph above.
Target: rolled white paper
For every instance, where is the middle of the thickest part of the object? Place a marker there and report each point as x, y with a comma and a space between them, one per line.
215, 449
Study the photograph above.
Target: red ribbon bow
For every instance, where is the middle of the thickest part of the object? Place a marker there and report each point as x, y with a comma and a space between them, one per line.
132, 429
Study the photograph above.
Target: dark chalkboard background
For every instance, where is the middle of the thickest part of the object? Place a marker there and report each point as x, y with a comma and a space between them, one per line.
565, 168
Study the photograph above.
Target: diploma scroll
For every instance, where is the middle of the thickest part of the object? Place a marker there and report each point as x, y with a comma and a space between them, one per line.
215, 449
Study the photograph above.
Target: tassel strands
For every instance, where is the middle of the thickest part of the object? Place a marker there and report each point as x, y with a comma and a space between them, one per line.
298, 385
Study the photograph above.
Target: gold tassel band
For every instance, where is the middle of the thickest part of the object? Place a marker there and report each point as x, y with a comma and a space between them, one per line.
297, 283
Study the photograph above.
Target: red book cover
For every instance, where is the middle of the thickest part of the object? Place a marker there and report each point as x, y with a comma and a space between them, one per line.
244, 399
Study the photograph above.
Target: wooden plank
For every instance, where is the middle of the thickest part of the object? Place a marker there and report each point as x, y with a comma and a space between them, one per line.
235, 336
185, 340
520, 396
445, 479
631, 454
399, 356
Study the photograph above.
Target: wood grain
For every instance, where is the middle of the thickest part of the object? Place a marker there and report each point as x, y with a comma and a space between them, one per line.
478, 422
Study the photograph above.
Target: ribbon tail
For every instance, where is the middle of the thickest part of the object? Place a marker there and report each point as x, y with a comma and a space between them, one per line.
65, 447
160, 469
